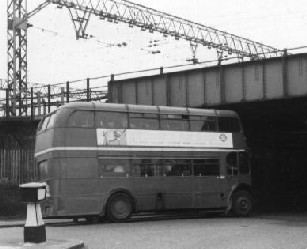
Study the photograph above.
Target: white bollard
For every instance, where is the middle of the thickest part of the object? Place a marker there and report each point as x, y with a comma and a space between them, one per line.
32, 193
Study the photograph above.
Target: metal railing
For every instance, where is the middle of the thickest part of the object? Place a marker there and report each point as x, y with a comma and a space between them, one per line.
40, 99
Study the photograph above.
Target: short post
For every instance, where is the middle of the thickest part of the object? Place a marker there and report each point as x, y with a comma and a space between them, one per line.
32, 105
34, 230
88, 96
161, 70
7, 103
62, 95
44, 106
39, 104
67, 92
49, 98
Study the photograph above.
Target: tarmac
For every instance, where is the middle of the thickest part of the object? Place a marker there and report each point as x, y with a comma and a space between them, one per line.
49, 244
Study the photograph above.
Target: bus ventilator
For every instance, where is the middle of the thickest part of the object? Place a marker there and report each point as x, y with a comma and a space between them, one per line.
32, 193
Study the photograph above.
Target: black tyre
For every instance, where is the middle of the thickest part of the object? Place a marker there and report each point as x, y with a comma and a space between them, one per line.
241, 203
119, 207
90, 219
101, 219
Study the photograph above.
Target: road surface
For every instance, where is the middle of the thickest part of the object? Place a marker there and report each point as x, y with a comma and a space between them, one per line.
260, 231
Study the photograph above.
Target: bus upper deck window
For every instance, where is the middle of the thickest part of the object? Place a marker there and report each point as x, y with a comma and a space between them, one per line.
111, 120
229, 124
147, 121
199, 123
81, 119
174, 122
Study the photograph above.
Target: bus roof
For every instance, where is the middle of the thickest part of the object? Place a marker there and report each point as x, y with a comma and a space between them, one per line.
147, 109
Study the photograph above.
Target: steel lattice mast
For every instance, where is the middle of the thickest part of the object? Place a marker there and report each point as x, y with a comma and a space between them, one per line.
17, 55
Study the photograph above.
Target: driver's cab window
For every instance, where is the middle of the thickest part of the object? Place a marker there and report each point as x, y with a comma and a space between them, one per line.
232, 164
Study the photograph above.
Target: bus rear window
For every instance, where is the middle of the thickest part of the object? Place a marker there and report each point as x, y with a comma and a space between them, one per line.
47, 122
229, 124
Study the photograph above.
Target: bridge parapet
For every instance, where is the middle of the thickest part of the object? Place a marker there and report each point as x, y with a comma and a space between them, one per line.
253, 81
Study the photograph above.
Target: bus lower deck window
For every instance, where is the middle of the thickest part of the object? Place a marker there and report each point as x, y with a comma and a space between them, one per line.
113, 168
206, 167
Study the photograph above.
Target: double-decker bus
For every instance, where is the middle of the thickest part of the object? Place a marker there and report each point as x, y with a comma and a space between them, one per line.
115, 160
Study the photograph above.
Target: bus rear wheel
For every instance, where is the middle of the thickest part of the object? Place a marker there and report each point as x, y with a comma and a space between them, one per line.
119, 207
241, 203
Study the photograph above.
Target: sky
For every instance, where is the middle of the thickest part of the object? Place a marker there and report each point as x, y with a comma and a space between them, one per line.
54, 55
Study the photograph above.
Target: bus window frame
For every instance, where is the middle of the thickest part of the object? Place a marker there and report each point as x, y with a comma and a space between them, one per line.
229, 130
50, 117
175, 118
203, 119
124, 126
218, 164
144, 116
91, 126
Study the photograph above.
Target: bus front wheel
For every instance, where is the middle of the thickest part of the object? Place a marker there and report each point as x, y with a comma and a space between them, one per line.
119, 207
241, 203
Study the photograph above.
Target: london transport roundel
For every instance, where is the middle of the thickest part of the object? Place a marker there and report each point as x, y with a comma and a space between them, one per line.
223, 137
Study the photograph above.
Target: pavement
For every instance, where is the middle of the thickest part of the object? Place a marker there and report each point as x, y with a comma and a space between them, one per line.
12, 222
49, 244
53, 244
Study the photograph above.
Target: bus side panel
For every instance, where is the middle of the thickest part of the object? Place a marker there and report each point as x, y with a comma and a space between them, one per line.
179, 192
80, 186
81, 197
80, 137
52, 206
208, 190
147, 191
211, 190
143, 190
